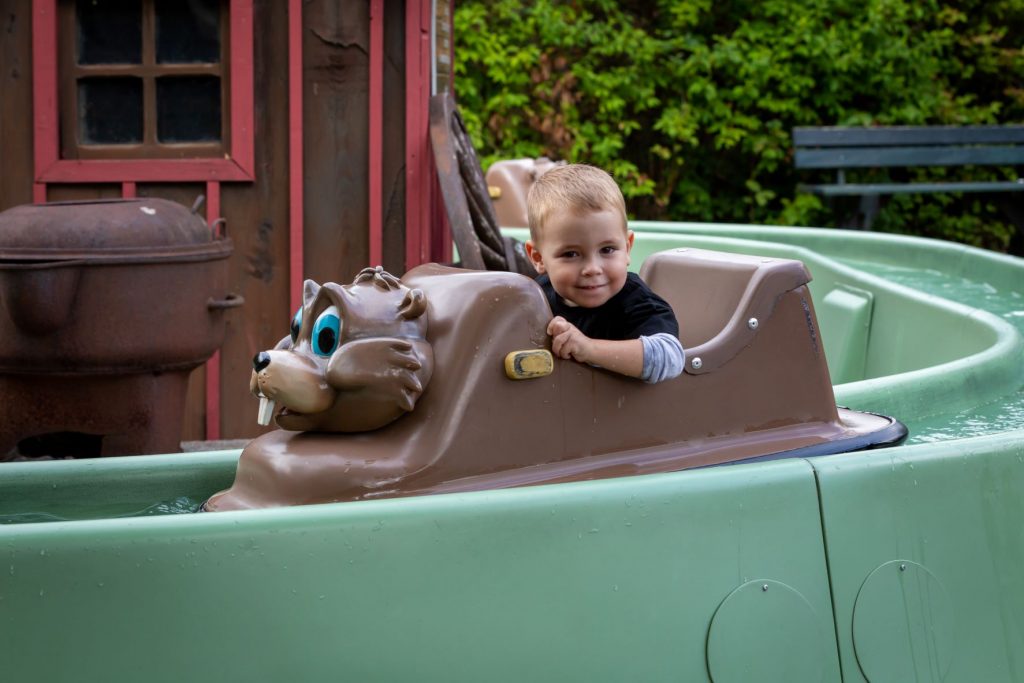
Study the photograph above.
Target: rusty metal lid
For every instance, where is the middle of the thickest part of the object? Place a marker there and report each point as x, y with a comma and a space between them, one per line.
104, 229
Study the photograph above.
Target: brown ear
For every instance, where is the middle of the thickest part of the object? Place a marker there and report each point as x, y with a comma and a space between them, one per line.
309, 291
413, 305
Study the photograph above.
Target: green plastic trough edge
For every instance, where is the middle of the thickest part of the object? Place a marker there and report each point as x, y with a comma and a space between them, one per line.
901, 563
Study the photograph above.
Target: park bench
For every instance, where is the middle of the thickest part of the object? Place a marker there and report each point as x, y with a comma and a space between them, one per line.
842, 149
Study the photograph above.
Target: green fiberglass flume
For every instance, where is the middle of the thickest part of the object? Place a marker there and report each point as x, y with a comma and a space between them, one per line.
896, 564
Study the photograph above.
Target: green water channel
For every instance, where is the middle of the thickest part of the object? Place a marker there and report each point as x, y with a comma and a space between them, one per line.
996, 414
894, 564
1001, 415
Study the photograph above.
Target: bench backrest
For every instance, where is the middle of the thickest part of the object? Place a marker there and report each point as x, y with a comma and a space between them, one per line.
842, 147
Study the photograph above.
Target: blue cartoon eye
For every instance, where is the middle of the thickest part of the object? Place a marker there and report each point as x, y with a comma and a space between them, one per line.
296, 325
326, 332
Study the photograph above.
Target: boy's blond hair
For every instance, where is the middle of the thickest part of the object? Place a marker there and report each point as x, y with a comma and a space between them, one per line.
578, 187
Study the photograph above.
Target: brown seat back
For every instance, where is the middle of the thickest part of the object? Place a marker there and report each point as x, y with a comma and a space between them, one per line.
720, 299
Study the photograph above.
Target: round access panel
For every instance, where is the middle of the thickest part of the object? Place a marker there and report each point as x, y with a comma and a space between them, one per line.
765, 631
903, 624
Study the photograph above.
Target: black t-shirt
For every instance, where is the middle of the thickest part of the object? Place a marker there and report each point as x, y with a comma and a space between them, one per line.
634, 312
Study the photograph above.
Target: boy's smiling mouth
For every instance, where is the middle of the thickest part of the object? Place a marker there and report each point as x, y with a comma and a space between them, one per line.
590, 294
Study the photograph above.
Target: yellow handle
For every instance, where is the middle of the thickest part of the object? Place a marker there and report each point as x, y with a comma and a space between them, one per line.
529, 364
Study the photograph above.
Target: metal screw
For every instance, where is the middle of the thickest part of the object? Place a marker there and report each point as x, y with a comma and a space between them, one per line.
752, 323
764, 587
903, 567
696, 363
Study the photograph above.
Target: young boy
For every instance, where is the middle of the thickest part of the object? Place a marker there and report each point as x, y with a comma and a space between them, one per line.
580, 245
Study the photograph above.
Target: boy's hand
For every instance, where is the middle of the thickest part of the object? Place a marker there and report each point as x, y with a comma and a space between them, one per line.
567, 341
625, 356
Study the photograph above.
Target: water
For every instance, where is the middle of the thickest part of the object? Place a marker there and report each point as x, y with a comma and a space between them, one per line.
173, 506
1003, 415
1008, 304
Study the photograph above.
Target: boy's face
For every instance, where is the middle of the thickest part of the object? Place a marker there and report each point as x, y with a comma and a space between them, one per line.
584, 255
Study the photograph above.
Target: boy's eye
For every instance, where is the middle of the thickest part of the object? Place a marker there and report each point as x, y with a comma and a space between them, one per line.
608, 250
569, 254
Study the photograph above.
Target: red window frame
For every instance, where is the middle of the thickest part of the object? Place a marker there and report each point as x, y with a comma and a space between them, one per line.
50, 168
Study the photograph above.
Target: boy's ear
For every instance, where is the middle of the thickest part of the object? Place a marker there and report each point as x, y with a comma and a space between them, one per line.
535, 257
629, 244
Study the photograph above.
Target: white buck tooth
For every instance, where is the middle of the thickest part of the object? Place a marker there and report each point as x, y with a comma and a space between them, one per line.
266, 411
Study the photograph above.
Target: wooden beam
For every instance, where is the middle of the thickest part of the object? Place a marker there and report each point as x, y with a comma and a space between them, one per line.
295, 158
376, 121
844, 136
213, 365
46, 131
878, 157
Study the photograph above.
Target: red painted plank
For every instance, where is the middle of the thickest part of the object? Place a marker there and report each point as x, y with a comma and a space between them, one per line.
417, 100
213, 365
128, 190
141, 171
295, 159
426, 159
44, 85
376, 123
412, 116
242, 131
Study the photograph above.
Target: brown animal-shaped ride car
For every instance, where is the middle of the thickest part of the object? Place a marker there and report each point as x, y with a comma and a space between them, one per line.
756, 386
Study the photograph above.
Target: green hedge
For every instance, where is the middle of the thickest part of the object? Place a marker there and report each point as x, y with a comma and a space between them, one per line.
690, 104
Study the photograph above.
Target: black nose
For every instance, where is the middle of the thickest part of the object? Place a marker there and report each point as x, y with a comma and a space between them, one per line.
260, 360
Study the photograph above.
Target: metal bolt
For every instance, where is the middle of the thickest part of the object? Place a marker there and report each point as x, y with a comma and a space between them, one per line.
752, 323
903, 567
764, 587
696, 363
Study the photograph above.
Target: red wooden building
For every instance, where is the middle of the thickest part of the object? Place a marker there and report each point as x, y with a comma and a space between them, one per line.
304, 124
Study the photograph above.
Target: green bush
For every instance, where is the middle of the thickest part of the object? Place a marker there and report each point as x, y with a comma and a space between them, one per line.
690, 104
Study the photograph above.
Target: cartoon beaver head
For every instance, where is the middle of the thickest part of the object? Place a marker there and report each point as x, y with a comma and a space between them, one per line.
356, 360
